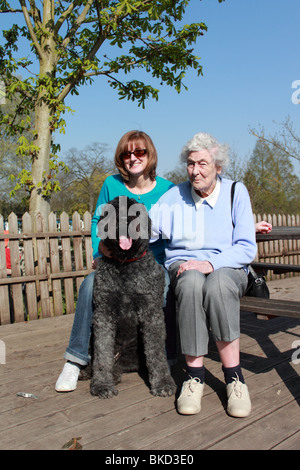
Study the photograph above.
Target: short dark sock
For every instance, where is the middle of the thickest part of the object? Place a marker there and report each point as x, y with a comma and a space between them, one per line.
231, 373
195, 372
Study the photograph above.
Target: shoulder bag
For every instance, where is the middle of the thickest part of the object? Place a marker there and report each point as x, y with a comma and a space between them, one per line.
257, 286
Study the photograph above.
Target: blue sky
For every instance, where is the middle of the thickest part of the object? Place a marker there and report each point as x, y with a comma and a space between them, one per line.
250, 57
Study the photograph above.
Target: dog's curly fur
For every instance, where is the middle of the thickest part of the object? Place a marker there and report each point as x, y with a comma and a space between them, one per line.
128, 323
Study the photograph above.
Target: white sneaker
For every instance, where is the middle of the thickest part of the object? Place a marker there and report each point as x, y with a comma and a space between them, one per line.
67, 381
189, 401
239, 404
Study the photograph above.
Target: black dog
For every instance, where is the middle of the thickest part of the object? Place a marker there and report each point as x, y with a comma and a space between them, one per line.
128, 323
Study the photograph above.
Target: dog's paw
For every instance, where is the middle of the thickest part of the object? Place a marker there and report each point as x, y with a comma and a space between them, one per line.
165, 389
103, 391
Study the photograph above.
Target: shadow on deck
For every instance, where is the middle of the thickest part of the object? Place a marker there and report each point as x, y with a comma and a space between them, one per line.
136, 420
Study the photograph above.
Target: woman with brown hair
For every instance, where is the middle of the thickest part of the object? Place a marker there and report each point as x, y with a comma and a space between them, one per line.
136, 161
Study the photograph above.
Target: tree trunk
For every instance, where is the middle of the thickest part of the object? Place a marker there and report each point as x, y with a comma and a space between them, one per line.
40, 165
43, 113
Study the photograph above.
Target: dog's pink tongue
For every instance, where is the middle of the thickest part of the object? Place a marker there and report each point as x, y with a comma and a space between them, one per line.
125, 243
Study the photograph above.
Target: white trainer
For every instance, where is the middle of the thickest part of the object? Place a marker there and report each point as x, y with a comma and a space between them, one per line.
189, 401
67, 381
239, 404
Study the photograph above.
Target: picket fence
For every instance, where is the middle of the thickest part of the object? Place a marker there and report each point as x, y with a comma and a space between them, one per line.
279, 251
48, 267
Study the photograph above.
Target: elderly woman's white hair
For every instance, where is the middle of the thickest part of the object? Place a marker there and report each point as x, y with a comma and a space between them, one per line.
201, 141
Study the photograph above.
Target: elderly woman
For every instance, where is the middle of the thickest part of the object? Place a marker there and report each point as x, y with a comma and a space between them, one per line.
209, 246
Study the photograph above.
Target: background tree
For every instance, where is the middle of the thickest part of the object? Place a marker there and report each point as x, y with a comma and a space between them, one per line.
286, 139
64, 39
237, 166
11, 163
271, 182
81, 185
178, 175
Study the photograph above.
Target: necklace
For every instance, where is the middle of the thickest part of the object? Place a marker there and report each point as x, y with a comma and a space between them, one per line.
144, 190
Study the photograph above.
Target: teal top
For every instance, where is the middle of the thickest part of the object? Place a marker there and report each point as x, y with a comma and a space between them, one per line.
114, 186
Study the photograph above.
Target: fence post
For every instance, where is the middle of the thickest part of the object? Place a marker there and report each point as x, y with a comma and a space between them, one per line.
55, 266
42, 267
4, 299
87, 219
15, 253
67, 263
31, 294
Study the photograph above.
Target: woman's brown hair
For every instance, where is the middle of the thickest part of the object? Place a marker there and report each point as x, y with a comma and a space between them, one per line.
123, 147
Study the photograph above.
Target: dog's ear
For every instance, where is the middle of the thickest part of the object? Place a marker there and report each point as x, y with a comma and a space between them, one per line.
107, 225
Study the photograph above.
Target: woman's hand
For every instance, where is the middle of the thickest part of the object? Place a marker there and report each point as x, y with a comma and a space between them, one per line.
203, 266
95, 263
263, 227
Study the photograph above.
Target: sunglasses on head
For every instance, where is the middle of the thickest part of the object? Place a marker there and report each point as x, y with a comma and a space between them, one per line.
137, 153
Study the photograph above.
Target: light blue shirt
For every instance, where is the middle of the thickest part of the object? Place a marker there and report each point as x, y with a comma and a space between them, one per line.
203, 229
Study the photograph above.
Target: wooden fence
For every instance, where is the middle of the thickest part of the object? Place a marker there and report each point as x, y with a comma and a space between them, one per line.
48, 267
279, 251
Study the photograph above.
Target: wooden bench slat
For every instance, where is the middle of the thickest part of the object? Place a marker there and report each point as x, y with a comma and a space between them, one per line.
277, 307
269, 302
277, 311
280, 233
277, 268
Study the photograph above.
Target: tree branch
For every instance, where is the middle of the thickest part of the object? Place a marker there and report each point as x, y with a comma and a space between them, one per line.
30, 28
275, 144
101, 38
65, 15
80, 72
11, 11
35, 13
77, 23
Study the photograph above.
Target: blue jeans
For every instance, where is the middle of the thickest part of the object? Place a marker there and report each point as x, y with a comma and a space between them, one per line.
78, 348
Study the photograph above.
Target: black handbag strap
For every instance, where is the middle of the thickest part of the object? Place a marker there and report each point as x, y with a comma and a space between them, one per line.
232, 197
255, 276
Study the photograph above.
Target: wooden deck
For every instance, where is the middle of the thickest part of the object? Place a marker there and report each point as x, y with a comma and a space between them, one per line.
135, 419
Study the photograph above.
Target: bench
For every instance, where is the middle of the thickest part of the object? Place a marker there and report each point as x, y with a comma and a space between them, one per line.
277, 268
277, 233
271, 307
274, 307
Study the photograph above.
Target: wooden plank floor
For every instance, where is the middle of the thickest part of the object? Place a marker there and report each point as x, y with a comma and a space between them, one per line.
137, 420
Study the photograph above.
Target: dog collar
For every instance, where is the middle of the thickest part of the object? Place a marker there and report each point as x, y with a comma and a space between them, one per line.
131, 259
